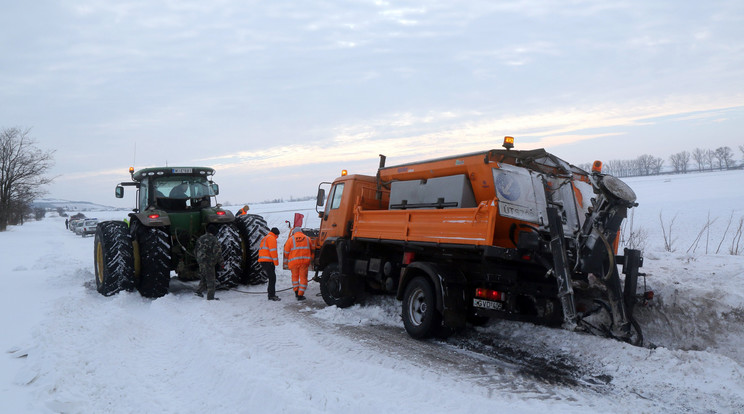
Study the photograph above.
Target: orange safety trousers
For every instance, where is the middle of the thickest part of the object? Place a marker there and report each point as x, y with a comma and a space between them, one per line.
299, 278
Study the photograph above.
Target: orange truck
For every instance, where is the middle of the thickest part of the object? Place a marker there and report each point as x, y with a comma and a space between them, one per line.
520, 235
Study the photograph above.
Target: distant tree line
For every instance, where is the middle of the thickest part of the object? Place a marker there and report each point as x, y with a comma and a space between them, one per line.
699, 159
22, 175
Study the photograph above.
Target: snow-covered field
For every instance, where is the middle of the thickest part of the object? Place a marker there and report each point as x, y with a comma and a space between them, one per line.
69, 349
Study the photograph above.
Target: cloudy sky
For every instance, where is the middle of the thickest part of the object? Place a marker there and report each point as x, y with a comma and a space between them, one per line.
279, 95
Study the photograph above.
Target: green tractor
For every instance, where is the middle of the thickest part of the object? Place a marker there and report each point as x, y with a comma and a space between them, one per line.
174, 208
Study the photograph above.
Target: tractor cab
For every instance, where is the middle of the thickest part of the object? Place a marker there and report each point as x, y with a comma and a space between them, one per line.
172, 189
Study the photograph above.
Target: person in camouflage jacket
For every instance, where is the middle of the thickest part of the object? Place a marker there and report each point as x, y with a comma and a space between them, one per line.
208, 254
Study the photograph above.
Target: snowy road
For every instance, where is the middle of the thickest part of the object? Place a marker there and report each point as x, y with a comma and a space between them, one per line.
69, 349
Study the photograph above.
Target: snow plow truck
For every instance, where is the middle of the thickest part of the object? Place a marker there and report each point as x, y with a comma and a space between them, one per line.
520, 235
174, 207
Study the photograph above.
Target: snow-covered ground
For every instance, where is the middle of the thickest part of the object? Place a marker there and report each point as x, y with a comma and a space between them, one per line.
69, 349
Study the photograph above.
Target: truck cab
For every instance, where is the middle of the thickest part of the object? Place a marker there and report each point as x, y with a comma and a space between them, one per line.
346, 194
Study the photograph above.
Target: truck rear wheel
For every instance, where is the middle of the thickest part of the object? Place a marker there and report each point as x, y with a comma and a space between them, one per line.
332, 287
420, 316
154, 252
113, 256
232, 257
252, 228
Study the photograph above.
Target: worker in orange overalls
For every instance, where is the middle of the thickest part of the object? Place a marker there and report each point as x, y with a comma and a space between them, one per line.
268, 258
243, 210
298, 252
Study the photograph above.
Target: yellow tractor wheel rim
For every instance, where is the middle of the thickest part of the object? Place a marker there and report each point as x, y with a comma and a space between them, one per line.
99, 262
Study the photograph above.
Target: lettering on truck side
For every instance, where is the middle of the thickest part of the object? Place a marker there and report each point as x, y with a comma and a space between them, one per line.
517, 212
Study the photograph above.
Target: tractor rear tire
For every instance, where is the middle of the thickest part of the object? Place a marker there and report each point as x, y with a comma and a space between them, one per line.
420, 316
229, 275
252, 229
113, 256
332, 285
155, 259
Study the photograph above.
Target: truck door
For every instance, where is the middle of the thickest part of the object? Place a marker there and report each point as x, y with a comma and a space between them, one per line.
336, 215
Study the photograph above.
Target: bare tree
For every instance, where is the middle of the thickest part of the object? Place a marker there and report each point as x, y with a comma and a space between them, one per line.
656, 165
39, 213
699, 155
680, 161
710, 158
685, 161
676, 165
585, 166
725, 157
22, 169
645, 164
676, 160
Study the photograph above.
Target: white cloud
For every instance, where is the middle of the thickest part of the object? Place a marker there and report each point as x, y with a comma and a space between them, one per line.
451, 134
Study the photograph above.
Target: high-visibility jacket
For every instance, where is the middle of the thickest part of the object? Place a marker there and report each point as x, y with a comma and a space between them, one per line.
298, 250
242, 211
267, 252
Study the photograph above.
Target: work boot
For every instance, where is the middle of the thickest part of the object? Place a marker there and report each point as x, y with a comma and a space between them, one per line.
297, 295
300, 297
274, 298
210, 296
199, 293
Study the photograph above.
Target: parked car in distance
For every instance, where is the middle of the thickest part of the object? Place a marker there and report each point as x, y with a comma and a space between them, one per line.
86, 227
74, 224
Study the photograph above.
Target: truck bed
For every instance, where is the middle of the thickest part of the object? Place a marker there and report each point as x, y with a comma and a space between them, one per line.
467, 226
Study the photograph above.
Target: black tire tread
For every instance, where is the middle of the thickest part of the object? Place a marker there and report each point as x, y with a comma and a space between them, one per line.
330, 297
229, 275
155, 260
252, 228
432, 320
118, 257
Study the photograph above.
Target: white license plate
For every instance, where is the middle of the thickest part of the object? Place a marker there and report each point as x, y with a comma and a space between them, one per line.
487, 304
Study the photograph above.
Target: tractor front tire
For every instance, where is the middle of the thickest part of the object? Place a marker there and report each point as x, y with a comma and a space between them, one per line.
113, 256
155, 259
252, 228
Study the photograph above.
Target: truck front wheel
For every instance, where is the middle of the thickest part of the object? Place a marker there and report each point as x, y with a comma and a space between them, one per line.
420, 316
332, 287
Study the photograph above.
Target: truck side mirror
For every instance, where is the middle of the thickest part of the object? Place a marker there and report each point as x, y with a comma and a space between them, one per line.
119, 191
215, 189
321, 197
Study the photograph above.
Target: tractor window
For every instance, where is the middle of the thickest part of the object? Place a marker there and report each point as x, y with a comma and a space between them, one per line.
143, 195
176, 193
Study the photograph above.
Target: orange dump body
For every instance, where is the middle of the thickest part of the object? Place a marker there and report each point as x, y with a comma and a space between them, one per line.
484, 223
